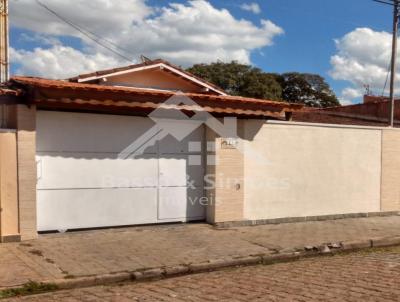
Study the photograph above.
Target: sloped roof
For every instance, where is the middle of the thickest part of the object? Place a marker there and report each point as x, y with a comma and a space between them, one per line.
148, 64
52, 92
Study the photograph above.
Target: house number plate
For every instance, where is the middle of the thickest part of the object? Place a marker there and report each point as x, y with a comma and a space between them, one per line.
229, 143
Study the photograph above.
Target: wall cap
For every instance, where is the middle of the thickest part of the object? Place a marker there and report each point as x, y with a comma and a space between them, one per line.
276, 122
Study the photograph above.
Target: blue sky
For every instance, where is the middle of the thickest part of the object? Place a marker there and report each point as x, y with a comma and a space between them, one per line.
310, 29
307, 45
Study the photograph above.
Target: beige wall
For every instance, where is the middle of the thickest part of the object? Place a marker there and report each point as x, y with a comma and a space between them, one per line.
26, 152
154, 78
9, 227
283, 170
310, 170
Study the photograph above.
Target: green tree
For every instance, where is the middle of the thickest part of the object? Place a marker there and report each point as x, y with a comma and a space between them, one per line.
309, 89
239, 79
245, 80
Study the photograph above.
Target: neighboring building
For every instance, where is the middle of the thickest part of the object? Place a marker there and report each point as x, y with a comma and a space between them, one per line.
374, 111
374, 99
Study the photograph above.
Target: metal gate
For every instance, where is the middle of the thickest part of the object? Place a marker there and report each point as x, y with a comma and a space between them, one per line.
82, 182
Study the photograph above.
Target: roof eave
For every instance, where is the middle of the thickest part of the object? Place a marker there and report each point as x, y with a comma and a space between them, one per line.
42, 90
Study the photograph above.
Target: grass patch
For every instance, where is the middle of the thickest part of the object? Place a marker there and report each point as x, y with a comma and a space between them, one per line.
29, 288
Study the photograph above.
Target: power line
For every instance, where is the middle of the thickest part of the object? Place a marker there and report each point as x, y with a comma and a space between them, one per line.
89, 34
388, 2
85, 29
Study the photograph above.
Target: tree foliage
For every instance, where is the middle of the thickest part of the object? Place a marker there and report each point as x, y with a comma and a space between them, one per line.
309, 89
239, 79
245, 80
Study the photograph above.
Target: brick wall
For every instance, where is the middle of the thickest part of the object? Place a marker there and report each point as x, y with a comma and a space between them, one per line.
378, 110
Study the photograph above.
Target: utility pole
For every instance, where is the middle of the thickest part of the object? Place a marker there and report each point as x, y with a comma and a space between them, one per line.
4, 42
395, 4
394, 56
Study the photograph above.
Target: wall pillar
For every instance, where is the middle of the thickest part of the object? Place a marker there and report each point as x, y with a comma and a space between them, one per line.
26, 156
227, 196
9, 226
390, 186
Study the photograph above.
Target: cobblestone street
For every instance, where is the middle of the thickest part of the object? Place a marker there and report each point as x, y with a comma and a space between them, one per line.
362, 276
56, 256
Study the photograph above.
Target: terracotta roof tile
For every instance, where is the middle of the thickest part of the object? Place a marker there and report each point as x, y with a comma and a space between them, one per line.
52, 91
46, 83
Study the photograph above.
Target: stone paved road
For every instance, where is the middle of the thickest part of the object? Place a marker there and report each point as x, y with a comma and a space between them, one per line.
56, 256
363, 276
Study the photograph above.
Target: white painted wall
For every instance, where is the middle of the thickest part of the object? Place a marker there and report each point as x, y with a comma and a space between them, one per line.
310, 170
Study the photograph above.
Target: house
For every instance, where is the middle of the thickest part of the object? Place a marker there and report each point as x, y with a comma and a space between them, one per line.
151, 143
67, 136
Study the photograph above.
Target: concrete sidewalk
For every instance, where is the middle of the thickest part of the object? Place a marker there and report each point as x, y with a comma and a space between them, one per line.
102, 256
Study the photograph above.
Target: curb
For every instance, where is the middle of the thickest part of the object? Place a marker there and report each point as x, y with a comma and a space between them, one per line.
158, 273
218, 264
230, 224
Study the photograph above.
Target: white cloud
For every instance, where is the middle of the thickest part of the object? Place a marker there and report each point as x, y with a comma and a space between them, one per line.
185, 34
251, 7
101, 16
362, 58
345, 102
348, 96
58, 61
351, 93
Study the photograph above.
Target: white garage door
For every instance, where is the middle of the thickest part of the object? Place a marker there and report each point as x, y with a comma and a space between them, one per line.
83, 184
